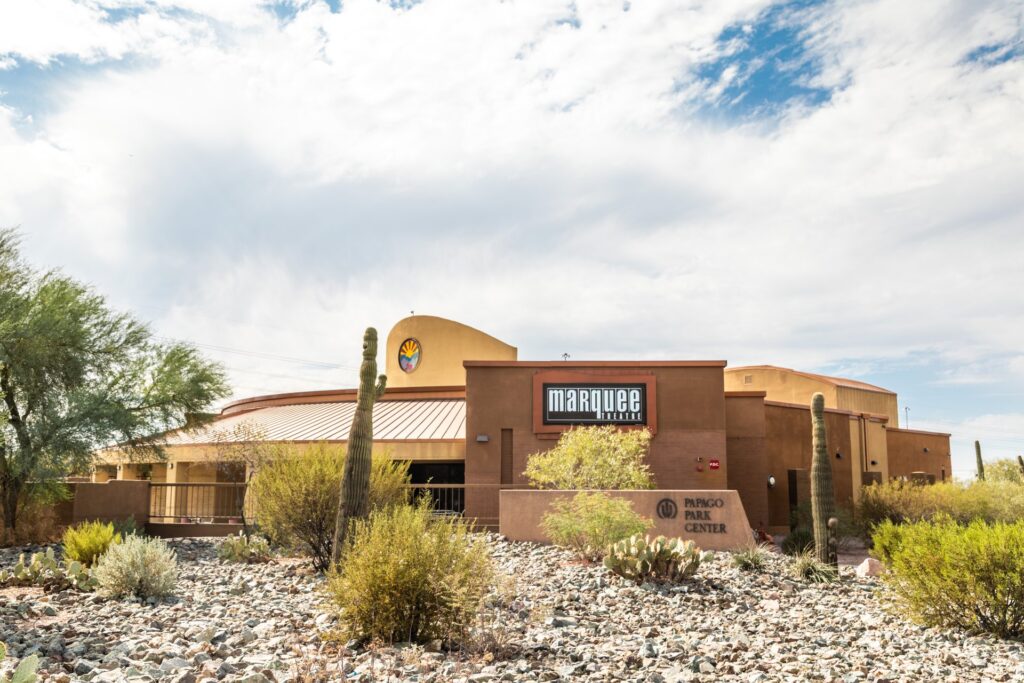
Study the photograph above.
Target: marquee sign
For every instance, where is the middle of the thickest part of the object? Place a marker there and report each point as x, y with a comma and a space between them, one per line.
594, 403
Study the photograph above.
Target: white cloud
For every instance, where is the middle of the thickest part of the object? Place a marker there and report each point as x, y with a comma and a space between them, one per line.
277, 185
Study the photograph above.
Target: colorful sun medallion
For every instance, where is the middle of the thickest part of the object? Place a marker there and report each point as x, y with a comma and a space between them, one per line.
409, 355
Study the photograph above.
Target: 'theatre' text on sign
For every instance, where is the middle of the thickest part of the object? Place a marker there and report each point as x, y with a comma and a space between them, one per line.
595, 404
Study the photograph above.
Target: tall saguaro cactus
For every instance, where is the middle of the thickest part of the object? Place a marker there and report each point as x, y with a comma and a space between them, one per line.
1020, 462
355, 480
981, 463
822, 495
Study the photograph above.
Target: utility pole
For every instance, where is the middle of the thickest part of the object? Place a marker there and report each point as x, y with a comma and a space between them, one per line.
906, 417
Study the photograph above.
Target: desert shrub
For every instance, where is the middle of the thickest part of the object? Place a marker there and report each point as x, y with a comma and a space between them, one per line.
753, 558
245, 549
886, 541
143, 567
86, 541
951, 575
25, 671
640, 558
590, 522
296, 497
410, 576
1004, 470
128, 527
901, 501
807, 567
593, 458
798, 541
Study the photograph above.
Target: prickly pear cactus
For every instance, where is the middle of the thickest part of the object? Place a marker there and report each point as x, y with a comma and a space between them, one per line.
823, 506
26, 671
640, 558
355, 481
43, 570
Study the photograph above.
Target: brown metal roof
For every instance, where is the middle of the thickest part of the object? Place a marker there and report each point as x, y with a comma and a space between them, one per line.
414, 420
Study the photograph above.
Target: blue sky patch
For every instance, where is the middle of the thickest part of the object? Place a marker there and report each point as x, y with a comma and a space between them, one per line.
997, 53
765, 65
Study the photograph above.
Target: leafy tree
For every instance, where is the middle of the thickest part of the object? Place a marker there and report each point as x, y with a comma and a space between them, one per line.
76, 376
594, 458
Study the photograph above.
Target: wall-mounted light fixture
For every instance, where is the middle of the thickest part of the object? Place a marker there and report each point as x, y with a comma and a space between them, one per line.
170, 465
839, 455
482, 438
874, 462
925, 449
771, 481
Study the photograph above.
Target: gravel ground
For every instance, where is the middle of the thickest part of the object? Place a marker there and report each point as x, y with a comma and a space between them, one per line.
551, 618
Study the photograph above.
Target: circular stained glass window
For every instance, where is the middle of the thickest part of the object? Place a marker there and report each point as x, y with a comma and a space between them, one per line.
409, 354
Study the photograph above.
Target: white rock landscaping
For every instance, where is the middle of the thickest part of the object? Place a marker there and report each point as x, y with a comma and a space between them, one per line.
551, 618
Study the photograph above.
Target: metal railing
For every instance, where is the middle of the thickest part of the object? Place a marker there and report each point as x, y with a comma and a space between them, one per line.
196, 503
226, 502
447, 499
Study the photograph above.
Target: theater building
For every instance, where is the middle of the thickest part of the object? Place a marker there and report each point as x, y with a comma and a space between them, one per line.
467, 415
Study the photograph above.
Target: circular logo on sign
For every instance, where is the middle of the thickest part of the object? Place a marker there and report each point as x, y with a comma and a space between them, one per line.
667, 508
409, 354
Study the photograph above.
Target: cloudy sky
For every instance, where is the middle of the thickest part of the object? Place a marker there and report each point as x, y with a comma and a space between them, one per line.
837, 187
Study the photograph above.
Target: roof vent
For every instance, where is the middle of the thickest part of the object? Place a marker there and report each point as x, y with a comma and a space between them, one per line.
748, 379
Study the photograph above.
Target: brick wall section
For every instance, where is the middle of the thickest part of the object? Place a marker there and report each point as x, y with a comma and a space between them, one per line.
907, 453
745, 449
788, 447
691, 424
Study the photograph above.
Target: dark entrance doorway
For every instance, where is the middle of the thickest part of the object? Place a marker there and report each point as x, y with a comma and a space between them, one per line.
444, 482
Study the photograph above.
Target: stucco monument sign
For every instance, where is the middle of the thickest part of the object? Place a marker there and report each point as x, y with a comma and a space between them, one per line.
713, 519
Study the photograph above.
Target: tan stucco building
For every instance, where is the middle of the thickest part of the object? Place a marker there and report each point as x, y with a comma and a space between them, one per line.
467, 415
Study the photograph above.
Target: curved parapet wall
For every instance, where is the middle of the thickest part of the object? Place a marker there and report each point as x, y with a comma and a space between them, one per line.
426, 351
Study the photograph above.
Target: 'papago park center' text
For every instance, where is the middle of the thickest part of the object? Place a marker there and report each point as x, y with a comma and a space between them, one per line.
467, 414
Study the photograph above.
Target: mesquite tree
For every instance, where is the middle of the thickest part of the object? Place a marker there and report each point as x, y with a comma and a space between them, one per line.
355, 480
76, 376
822, 495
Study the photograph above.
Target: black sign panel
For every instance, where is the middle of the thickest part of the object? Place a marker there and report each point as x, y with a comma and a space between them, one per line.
595, 404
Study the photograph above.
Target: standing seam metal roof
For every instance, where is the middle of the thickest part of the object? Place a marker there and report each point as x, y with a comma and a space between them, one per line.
413, 420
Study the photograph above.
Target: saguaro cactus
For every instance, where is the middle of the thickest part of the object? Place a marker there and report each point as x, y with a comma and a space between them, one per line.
822, 495
1020, 461
355, 480
981, 463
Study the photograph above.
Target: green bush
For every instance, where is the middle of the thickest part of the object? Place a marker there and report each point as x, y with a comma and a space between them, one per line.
296, 497
1006, 469
798, 541
640, 558
409, 576
590, 522
753, 558
143, 567
900, 501
593, 458
246, 550
86, 541
950, 575
808, 567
